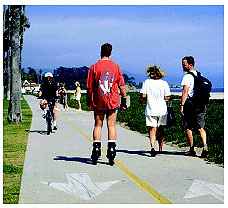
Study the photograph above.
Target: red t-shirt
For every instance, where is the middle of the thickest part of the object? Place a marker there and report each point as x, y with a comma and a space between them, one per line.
104, 79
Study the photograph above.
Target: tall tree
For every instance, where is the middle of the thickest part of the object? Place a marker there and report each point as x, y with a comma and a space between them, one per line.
24, 23
14, 111
7, 44
33, 74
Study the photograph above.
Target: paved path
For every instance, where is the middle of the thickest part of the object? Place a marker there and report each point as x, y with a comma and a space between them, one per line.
58, 169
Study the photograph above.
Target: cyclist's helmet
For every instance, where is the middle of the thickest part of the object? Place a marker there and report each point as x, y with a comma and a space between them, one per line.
48, 74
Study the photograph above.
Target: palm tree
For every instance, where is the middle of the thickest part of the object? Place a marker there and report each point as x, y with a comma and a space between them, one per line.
14, 111
7, 48
23, 25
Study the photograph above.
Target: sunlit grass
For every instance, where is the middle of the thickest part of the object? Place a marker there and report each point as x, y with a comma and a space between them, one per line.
15, 136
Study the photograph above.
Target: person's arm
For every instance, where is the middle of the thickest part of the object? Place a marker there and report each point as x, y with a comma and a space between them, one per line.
39, 93
167, 97
142, 96
89, 86
123, 91
183, 98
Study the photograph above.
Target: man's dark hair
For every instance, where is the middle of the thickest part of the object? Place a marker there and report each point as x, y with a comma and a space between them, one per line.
190, 60
106, 50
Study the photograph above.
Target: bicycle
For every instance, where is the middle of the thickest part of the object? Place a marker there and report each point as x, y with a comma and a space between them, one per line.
48, 116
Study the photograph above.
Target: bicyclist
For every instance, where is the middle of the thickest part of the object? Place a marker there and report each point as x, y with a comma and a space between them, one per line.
48, 93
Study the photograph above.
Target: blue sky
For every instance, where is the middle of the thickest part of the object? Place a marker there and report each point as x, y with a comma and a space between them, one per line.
71, 36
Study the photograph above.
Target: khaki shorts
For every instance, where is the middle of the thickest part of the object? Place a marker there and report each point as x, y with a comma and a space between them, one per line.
156, 121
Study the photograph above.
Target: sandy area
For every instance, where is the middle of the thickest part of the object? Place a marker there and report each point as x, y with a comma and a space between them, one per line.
214, 95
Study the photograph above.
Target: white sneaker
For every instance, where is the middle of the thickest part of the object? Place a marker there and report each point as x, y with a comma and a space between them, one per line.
57, 109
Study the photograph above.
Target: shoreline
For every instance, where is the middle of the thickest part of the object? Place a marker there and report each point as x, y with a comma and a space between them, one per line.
214, 95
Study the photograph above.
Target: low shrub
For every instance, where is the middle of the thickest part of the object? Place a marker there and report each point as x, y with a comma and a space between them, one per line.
134, 118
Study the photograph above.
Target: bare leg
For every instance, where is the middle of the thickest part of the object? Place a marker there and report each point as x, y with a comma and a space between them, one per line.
203, 135
79, 105
98, 117
153, 136
189, 137
160, 137
111, 125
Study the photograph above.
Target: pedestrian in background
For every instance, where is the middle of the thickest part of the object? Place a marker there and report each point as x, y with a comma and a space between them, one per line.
57, 99
78, 95
63, 93
193, 114
156, 91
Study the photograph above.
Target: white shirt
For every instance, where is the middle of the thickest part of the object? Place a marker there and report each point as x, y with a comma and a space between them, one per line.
156, 90
188, 80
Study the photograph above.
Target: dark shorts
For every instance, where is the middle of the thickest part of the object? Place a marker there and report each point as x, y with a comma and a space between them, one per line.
106, 111
194, 116
64, 99
51, 100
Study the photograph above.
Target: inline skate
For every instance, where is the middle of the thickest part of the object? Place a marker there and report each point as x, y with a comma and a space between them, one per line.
96, 152
111, 152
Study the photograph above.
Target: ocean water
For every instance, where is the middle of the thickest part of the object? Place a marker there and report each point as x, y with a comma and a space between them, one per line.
218, 89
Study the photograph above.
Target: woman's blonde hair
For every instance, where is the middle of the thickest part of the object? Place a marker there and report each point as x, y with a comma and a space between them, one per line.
77, 83
155, 72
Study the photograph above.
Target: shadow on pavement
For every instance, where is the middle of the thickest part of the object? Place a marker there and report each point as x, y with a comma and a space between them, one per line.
147, 153
134, 152
171, 153
78, 159
37, 131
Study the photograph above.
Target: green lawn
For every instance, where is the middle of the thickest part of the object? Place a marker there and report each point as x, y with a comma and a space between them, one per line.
15, 136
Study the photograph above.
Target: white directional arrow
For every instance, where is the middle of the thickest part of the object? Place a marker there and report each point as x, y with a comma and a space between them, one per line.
201, 188
81, 185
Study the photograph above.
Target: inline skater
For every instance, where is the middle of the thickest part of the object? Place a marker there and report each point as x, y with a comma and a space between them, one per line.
48, 93
104, 80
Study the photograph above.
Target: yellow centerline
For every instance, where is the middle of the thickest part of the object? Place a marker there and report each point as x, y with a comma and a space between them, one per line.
142, 184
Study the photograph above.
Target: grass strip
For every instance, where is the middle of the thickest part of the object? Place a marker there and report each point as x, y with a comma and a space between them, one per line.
15, 136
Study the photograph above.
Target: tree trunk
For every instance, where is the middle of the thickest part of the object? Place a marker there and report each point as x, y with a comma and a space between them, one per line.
21, 41
9, 56
14, 111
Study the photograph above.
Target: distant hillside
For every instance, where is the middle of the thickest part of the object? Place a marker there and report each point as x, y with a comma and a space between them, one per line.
69, 76
138, 77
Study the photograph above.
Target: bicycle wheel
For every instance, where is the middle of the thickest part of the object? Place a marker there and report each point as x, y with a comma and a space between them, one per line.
49, 126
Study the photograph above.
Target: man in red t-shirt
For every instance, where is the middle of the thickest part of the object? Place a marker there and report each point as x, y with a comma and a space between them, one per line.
104, 80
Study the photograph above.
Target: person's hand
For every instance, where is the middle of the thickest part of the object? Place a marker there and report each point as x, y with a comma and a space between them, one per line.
123, 104
181, 110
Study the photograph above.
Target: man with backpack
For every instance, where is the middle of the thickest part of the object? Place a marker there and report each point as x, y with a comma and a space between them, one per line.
195, 96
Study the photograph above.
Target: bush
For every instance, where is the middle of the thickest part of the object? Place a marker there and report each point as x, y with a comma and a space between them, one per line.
134, 118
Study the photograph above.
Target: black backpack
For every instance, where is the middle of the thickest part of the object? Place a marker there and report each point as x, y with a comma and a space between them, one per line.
202, 89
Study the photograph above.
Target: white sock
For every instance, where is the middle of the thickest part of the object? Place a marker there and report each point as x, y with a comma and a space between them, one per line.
54, 123
111, 140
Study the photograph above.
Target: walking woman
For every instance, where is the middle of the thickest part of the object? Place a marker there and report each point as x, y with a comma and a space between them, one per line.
78, 95
63, 92
156, 91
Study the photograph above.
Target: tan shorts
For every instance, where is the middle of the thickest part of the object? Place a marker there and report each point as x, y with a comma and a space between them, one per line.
156, 121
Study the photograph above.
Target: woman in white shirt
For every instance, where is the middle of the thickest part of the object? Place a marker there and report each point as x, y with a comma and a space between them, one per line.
156, 91
78, 95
